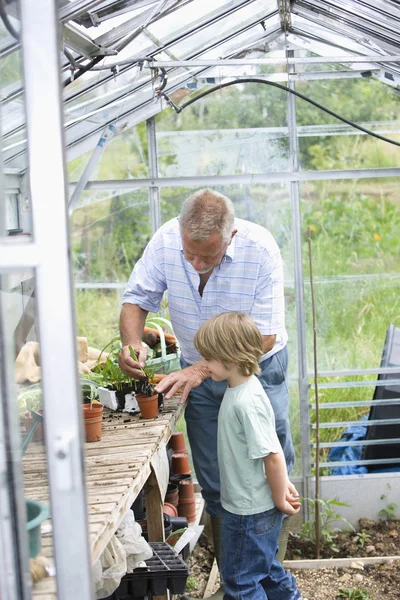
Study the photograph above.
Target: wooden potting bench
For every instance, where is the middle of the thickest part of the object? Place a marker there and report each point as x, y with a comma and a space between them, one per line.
117, 468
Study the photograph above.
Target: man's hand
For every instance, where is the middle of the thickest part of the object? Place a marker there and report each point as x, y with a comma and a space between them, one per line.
129, 365
186, 379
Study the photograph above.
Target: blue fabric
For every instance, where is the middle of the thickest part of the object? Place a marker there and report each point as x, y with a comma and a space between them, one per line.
202, 423
249, 568
349, 453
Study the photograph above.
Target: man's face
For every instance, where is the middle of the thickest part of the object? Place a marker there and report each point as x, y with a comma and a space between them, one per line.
207, 254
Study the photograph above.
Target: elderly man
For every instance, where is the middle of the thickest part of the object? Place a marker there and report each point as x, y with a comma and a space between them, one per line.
210, 262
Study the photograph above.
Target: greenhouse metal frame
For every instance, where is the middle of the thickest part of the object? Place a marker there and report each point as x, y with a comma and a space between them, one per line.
110, 65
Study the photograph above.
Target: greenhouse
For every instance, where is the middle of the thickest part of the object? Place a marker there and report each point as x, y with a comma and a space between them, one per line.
164, 163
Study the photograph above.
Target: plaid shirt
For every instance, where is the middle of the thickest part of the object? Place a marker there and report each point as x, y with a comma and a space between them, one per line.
249, 279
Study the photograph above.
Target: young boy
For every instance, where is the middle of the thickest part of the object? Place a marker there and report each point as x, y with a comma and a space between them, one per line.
255, 488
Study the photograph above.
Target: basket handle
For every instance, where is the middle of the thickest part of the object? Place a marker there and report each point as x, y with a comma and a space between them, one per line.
162, 339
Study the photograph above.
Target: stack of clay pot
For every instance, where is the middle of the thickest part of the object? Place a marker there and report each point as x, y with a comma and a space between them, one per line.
181, 475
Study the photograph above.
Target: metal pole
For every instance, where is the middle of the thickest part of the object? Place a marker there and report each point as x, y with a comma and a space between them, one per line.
232, 62
154, 193
317, 432
260, 178
63, 429
15, 579
105, 137
299, 290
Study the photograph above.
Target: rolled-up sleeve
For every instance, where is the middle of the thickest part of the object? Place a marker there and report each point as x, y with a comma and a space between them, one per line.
147, 283
268, 311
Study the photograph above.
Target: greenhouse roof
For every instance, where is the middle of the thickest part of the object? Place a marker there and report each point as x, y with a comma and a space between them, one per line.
123, 61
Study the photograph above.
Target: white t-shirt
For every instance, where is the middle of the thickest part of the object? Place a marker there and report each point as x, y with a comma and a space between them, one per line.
246, 433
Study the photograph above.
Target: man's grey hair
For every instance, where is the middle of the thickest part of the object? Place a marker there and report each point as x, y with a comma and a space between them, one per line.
207, 212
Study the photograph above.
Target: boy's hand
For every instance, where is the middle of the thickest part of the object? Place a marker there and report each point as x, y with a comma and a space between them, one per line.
292, 496
291, 504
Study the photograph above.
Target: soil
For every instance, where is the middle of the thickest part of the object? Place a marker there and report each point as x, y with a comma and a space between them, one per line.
357, 582
374, 538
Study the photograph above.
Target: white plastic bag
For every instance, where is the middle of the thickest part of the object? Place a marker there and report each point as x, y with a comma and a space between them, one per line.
113, 567
137, 549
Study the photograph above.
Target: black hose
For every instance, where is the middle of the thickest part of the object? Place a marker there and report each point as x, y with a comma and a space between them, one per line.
6, 21
178, 109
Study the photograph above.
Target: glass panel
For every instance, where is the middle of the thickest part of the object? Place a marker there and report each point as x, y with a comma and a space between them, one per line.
327, 143
123, 158
16, 214
240, 130
220, 29
356, 266
109, 233
18, 312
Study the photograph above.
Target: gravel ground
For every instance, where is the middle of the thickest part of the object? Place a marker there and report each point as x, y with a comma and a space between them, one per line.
358, 582
373, 582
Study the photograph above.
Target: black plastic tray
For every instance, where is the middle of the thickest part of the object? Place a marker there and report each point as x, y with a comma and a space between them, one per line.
165, 569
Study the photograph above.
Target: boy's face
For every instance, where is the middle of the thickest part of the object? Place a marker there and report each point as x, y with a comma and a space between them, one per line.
217, 370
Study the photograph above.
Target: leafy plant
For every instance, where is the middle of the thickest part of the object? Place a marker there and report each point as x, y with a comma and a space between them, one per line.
328, 516
110, 374
191, 584
362, 538
353, 594
31, 398
143, 386
389, 511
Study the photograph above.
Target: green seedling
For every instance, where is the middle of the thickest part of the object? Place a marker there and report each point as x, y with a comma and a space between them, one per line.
389, 511
362, 538
353, 594
328, 516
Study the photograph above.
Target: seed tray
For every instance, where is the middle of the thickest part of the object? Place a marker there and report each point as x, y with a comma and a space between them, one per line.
165, 569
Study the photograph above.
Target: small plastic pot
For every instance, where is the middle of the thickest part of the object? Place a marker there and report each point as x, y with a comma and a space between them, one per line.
177, 442
148, 406
170, 510
180, 463
93, 417
186, 490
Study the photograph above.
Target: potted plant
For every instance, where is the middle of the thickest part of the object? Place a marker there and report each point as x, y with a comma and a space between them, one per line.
116, 389
120, 392
30, 400
147, 398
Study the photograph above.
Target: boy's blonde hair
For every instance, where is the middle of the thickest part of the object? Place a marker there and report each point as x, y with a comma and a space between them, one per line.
231, 337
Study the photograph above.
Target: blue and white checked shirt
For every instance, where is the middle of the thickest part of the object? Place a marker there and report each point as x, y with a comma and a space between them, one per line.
249, 279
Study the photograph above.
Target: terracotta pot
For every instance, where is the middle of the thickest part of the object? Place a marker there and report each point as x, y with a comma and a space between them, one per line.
187, 508
170, 510
176, 479
148, 406
177, 442
180, 464
172, 495
186, 490
93, 420
28, 420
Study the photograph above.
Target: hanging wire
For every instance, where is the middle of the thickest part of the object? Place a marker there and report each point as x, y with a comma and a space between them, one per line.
7, 23
178, 109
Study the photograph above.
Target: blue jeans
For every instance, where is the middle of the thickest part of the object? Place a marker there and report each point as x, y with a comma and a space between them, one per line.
248, 566
202, 421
